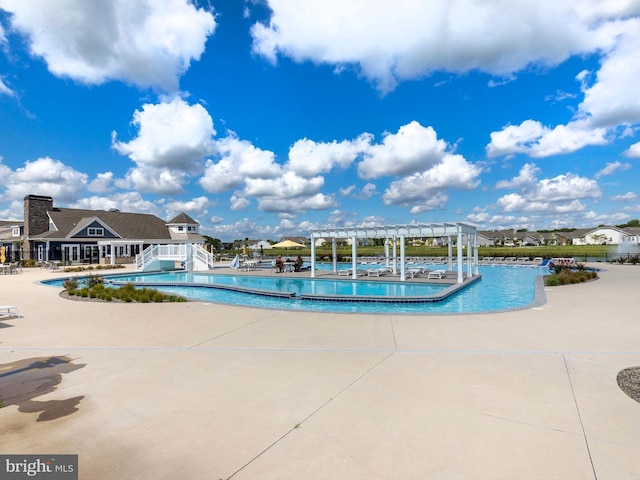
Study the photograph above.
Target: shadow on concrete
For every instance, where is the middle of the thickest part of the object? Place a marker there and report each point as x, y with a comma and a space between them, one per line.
24, 380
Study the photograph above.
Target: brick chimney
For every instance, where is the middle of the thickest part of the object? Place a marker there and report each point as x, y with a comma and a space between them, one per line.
36, 220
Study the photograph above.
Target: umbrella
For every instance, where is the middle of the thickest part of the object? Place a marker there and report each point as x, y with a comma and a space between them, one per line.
288, 244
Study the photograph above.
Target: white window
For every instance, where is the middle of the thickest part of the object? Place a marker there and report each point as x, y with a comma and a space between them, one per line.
15, 231
95, 232
180, 229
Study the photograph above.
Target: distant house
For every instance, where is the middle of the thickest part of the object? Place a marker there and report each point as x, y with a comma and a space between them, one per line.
258, 245
78, 235
607, 236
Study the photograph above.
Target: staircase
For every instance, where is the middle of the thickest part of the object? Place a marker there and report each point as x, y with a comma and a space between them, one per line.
164, 257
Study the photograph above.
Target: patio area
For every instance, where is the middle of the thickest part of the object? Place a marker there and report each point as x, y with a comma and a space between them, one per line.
201, 391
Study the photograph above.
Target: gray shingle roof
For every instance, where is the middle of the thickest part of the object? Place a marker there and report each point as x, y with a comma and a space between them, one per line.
183, 218
129, 226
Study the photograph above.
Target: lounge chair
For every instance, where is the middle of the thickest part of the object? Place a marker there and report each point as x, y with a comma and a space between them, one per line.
347, 272
377, 272
9, 310
436, 274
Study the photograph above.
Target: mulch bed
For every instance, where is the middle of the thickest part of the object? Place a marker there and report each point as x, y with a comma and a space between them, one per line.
629, 382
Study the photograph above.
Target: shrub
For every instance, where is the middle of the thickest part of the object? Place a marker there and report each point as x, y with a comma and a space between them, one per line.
126, 293
70, 284
92, 280
567, 276
552, 281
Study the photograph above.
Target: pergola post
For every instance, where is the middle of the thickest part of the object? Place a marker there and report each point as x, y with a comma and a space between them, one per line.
449, 253
475, 254
313, 256
402, 259
459, 249
386, 252
334, 254
469, 257
394, 253
354, 257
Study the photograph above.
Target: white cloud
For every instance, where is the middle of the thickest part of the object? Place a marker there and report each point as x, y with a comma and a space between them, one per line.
149, 43
424, 191
611, 102
171, 134
318, 201
614, 99
239, 160
526, 177
633, 151
125, 202
44, 176
5, 90
536, 140
162, 181
197, 205
394, 41
102, 183
611, 168
566, 188
413, 149
560, 194
626, 197
238, 202
308, 158
173, 137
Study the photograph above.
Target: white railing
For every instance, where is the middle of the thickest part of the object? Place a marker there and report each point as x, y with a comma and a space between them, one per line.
194, 256
200, 255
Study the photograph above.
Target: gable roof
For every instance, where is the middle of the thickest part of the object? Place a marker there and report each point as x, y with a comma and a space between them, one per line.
133, 226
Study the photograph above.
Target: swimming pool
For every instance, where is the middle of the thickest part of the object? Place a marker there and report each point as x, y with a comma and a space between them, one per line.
500, 288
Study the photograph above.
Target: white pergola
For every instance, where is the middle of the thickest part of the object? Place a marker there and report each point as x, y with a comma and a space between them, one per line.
393, 233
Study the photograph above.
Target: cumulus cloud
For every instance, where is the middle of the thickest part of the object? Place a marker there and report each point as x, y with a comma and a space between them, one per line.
125, 202
626, 197
413, 149
239, 160
171, 134
526, 177
560, 194
148, 43
392, 41
424, 191
308, 158
196, 206
633, 151
173, 137
44, 176
610, 103
536, 140
102, 183
289, 193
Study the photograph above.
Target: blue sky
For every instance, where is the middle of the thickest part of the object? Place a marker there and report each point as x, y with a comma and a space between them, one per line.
262, 119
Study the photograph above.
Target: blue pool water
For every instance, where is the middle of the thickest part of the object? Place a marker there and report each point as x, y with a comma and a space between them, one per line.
501, 288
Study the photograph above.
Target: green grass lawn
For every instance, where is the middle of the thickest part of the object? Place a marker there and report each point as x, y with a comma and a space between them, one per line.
577, 251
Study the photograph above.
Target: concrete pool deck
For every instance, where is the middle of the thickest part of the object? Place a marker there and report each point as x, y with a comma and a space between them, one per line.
203, 391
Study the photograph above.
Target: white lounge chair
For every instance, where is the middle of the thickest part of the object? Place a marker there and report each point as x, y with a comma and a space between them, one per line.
347, 272
377, 272
9, 310
436, 274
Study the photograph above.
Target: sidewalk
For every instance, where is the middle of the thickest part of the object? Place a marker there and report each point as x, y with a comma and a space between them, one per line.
204, 391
